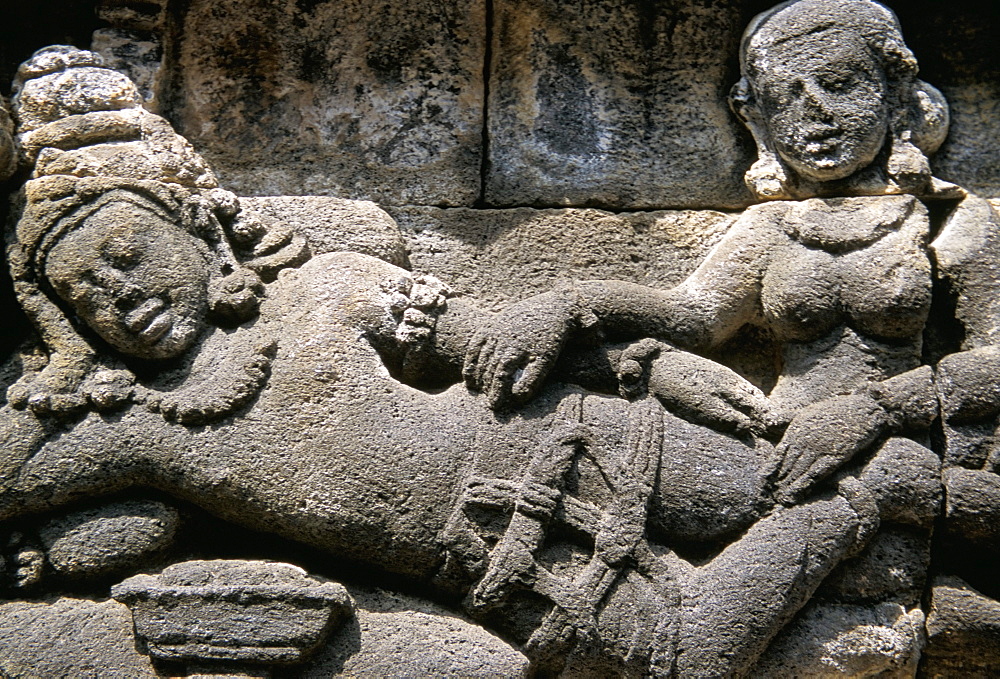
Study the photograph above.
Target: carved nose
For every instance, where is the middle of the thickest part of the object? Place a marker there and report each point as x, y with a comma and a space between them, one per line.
127, 294
813, 101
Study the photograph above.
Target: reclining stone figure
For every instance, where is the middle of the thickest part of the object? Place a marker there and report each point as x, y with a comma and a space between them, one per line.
172, 365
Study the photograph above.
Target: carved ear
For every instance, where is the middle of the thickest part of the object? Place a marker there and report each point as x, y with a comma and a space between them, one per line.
929, 117
744, 105
741, 100
918, 129
767, 177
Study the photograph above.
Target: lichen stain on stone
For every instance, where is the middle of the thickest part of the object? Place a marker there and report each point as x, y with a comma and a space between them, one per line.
567, 116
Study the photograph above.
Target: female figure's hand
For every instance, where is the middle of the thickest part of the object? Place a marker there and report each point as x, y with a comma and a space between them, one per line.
511, 353
829, 434
695, 388
821, 439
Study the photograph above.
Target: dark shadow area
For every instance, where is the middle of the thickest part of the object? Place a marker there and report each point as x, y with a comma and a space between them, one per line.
955, 42
27, 26
14, 326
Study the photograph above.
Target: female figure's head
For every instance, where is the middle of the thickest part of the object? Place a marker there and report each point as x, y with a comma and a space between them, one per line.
830, 94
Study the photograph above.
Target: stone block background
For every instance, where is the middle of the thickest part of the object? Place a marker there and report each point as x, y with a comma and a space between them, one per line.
501, 256
615, 104
376, 100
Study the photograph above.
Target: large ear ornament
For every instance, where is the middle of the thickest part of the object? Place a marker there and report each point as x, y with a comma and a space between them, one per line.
767, 177
930, 117
235, 298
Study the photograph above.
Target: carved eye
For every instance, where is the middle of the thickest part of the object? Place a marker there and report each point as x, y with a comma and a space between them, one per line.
791, 92
86, 288
93, 281
835, 82
785, 93
121, 255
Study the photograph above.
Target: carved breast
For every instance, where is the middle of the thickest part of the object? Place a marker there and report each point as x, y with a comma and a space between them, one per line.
876, 278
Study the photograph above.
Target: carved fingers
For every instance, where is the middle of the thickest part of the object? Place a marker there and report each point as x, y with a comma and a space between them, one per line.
511, 353
508, 371
821, 439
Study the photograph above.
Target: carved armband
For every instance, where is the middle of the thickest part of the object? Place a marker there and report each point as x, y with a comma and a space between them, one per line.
416, 304
634, 364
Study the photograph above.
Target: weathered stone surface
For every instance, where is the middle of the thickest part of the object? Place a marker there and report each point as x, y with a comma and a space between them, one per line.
110, 539
971, 156
965, 252
963, 630
396, 634
390, 634
144, 15
8, 154
831, 640
893, 567
501, 256
955, 44
69, 638
973, 506
246, 611
564, 447
380, 101
137, 55
333, 224
617, 104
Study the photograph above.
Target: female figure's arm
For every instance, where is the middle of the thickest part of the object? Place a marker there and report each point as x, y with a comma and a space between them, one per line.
511, 353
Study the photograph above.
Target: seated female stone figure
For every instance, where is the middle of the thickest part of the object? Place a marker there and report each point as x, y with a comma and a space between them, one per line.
163, 372
843, 284
838, 272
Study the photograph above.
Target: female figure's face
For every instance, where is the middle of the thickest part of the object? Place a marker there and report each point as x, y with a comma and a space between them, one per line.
138, 281
823, 99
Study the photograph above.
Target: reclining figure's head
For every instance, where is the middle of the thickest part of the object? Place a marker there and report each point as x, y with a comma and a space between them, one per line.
143, 264
122, 222
123, 236
829, 90
128, 270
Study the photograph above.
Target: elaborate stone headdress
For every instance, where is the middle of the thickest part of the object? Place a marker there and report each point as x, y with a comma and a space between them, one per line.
90, 143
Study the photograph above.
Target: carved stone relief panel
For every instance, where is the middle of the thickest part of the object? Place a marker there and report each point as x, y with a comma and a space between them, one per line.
303, 435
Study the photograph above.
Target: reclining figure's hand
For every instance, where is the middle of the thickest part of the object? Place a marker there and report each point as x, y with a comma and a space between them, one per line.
68, 385
55, 389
